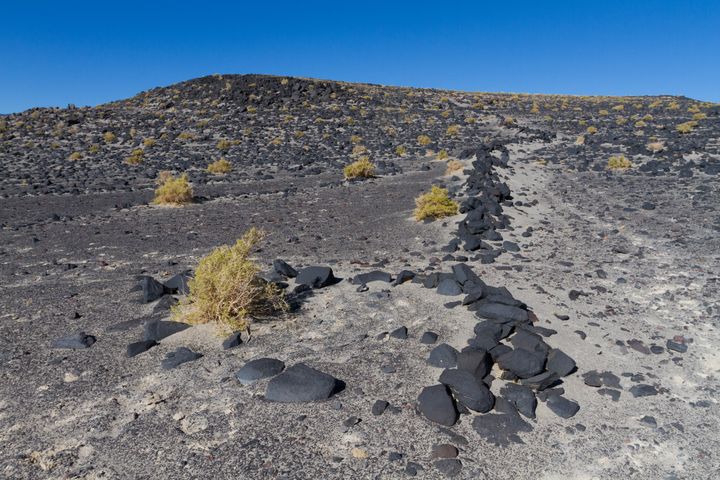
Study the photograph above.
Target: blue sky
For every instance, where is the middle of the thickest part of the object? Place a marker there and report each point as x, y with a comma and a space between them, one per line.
55, 53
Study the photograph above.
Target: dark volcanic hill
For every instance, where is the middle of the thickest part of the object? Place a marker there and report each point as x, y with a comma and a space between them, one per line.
564, 324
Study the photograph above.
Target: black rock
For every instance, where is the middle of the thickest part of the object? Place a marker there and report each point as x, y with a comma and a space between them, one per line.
159, 329
500, 312
258, 369
151, 289
677, 347
500, 428
449, 287
521, 397
468, 389
560, 363
412, 468
403, 277
529, 341
464, 273
614, 394
400, 333
521, 362
541, 381
443, 356
178, 357
163, 305
374, 276
499, 350
437, 405
77, 341
450, 467
379, 407
316, 277
429, 338
137, 348
643, 390
562, 407
301, 383
232, 341
179, 283
510, 246
283, 268
477, 362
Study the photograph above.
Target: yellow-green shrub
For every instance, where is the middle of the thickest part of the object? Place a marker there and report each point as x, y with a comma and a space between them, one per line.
686, 127
592, 130
400, 150
619, 162
435, 204
453, 166
423, 140
226, 289
442, 154
109, 137
453, 130
173, 190
362, 168
75, 156
219, 167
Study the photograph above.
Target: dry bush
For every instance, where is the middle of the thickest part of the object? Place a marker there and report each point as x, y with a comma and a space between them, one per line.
362, 168
226, 289
136, 157
219, 167
686, 127
453, 130
173, 190
442, 155
75, 156
592, 130
224, 145
655, 147
400, 150
109, 137
423, 140
453, 166
435, 204
619, 162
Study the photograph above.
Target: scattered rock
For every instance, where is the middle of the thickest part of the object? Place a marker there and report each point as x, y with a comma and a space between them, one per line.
258, 369
178, 357
429, 338
443, 356
643, 390
562, 407
437, 405
301, 383
316, 277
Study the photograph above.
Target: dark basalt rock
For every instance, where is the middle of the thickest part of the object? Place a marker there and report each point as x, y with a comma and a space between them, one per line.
500, 312
521, 362
437, 405
540, 381
151, 289
179, 283
316, 277
429, 338
283, 268
301, 383
178, 357
449, 287
402, 277
450, 467
643, 390
468, 389
477, 362
159, 329
77, 341
560, 363
258, 369
443, 356
234, 340
562, 407
522, 398
400, 333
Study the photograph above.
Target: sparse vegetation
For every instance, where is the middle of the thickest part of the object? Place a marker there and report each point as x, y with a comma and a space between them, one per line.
226, 289
224, 145
453, 130
591, 130
173, 190
655, 147
423, 140
435, 204
619, 162
442, 155
686, 127
109, 137
220, 167
400, 150
75, 156
453, 166
136, 157
149, 142
359, 169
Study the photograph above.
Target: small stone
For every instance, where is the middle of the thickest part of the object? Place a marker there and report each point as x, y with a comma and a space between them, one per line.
437, 405
316, 277
443, 450
77, 341
151, 289
562, 407
613, 394
468, 389
429, 338
379, 407
676, 347
234, 340
258, 369
443, 356
450, 467
411, 469
374, 276
400, 333
643, 390
395, 456
283, 268
449, 287
560, 363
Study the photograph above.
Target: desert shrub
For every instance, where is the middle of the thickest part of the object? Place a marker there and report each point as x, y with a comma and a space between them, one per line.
470, 120
75, 156
621, 120
442, 154
435, 204
699, 116
453, 130
136, 157
226, 289
686, 127
276, 141
173, 190
673, 106
109, 137
445, 113
655, 147
508, 121
359, 150
94, 148
219, 167
355, 139
592, 130
619, 162
400, 150
423, 140
186, 136
640, 124
149, 142
224, 145
251, 109
453, 166
619, 108
3, 125
361, 168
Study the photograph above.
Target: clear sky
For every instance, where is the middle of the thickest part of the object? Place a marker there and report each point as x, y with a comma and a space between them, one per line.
53, 53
